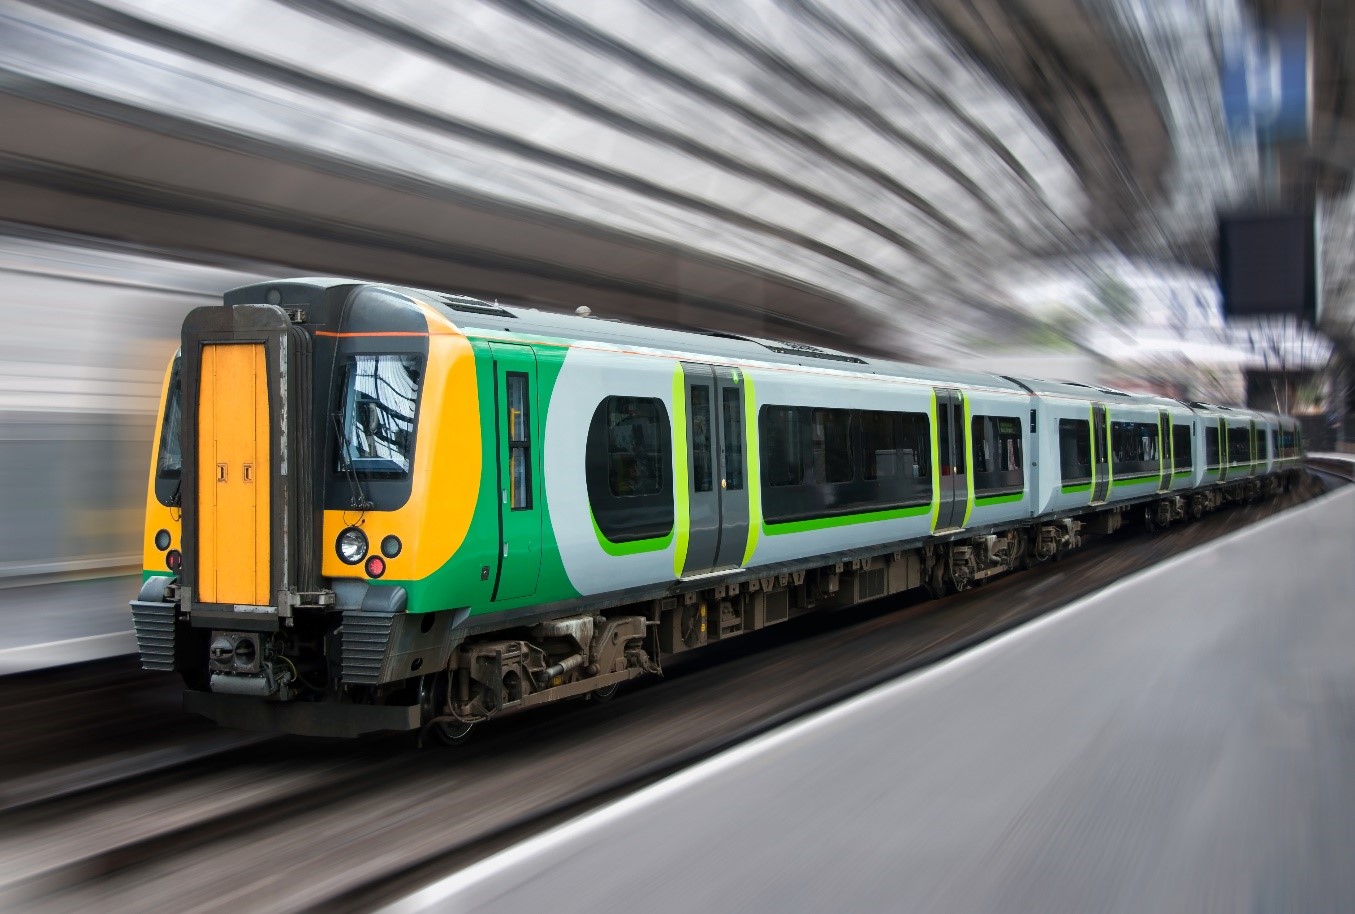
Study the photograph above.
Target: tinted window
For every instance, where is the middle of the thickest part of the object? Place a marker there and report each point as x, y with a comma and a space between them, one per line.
628, 469
733, 437
832, 445
171, 426
701, 443
1134, 448
1182, 459
830, 462
634, 463
996, 446
779, 438
380, 396
1211, 446
169, 463
1239, 445
519, 442
1075, 450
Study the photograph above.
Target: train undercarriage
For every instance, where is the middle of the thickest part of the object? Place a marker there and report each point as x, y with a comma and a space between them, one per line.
328, 671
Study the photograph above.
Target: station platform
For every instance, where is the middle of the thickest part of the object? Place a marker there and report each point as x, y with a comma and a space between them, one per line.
1181, 741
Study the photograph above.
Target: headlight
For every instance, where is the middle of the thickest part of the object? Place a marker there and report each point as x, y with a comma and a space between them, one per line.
391, 546
351, 546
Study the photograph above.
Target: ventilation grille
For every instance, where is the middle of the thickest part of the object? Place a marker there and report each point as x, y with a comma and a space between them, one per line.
778, 607
870, 584
154, 624
365, 636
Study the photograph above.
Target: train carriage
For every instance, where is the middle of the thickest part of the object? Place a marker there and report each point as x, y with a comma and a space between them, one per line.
377, 508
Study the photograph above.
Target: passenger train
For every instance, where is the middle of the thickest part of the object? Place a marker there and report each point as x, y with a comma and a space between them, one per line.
376, 508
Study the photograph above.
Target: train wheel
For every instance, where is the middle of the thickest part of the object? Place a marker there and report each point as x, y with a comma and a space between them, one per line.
440, 728
606, 693
449, 733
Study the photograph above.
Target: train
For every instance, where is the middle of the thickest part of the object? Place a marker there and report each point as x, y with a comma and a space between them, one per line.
374, 508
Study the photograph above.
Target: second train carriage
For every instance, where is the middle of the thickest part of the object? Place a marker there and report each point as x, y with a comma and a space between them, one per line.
378, 508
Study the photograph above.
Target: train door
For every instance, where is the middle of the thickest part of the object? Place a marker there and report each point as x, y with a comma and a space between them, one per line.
517, 428
233, 529
1255, 449
1225, 456
952, 445
733, 469
1164, 449
717, 497
1100, 454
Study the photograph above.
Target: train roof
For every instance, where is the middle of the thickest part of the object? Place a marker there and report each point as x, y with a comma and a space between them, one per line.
478, 315
472, 314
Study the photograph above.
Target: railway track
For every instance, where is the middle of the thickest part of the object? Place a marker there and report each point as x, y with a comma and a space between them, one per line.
148, 810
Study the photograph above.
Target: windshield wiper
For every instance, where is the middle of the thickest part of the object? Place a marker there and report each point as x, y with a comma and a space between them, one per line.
358, 498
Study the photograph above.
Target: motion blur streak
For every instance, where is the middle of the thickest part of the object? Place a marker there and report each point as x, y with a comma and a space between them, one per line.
88, 333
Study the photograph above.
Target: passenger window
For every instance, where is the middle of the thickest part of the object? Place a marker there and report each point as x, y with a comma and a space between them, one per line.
782, 457
832, 446
1134, 446
997, 464
628, 467
701, 443
733, 437
519, 442
632, 447
1211, 446
879, 442
1182, 459
1075, 450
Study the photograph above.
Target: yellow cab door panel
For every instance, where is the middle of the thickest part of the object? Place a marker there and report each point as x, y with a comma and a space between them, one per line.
233, 475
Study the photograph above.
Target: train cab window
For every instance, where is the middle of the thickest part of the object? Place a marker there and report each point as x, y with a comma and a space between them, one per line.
1239, 445
996, 462
732, 430
380, 396
832, 445
1211, 446
1075, 450
701, 440
1134, 448
628, 469
519, 442
169, 465
1182, 459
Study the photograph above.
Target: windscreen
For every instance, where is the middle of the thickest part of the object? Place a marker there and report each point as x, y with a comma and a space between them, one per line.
376, 418
170, 464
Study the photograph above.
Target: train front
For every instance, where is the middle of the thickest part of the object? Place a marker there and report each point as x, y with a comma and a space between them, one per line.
284, 519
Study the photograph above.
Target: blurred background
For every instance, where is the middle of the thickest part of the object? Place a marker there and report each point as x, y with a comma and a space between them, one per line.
1034, 188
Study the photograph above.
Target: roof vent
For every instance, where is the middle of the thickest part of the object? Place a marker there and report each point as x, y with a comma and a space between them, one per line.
805, 351
474, 306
